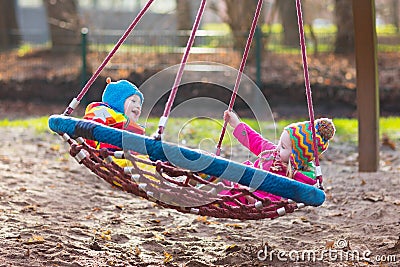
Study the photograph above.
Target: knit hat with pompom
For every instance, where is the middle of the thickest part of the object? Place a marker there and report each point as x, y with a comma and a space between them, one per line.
301, 136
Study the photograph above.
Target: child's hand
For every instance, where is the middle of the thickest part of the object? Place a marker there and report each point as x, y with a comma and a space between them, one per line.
231, 118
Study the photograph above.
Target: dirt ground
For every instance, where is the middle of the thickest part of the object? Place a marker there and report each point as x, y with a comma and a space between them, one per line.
54, 212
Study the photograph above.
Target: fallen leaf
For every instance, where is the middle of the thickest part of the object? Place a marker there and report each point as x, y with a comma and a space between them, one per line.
89, 217
167, 257
106, 235
373, 197
348, 76
336, 214
167, 233
5, 159
63, 159
327, 81
386, 141
55, 148
232, 248
107, 232
35, 239
120, 206
329, 244
137, 251
304, 219
29, 208
154, 221
203, 219
235, 225
350, 85
158, 237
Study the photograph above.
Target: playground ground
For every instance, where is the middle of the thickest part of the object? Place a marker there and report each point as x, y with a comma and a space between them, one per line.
54, 212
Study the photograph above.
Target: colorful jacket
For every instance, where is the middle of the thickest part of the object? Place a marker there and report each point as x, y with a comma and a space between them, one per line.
104, 114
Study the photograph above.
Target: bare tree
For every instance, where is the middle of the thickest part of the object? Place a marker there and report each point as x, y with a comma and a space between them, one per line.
395, 14
239, 15
63, 20
9, 31
184, 18
287, 11
344, 43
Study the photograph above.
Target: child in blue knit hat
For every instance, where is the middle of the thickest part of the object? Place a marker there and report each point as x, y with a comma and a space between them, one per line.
120, 108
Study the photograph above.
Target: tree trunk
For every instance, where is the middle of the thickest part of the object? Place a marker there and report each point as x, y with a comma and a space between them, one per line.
184, 20
287, 11
395, 14
64, 24
344, 43
9, 31
240, 15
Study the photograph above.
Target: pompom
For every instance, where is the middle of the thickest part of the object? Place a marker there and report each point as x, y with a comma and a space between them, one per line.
326, 128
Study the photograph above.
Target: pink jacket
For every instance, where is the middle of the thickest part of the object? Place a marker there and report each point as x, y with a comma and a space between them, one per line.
257, 144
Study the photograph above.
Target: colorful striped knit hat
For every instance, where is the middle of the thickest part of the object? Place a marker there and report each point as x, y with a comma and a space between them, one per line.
301, 136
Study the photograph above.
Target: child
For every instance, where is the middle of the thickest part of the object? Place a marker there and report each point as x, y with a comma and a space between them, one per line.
120, 108
292, 154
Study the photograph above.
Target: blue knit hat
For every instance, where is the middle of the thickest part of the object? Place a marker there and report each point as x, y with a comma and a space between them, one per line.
116, 93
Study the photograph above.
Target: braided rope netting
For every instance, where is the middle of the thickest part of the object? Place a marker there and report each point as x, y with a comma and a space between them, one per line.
163, 184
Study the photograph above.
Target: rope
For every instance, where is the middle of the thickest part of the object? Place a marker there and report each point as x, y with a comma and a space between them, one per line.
157, 183
178, 77
89, 83
308, 87
161, 186
241, 68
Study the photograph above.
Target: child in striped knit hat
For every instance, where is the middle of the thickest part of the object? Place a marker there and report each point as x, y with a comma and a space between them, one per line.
293, 153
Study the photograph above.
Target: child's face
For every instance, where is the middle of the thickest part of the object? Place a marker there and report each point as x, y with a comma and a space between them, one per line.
285, 146
133, 107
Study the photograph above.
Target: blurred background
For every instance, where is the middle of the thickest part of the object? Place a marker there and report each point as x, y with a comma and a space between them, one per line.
50, 48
